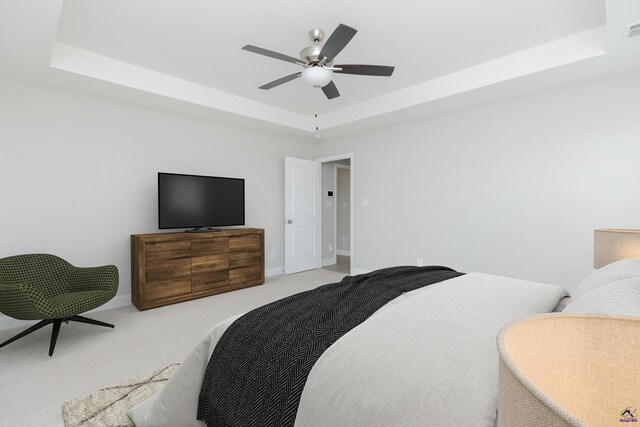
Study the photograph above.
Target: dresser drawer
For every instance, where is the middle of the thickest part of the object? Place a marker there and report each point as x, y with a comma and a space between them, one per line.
249, 242
245, 274
167, 249
160, 270
205, 282
245, 259
210, 263
163, 290
202, 247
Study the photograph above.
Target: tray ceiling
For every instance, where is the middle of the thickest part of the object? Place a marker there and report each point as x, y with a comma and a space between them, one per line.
186, 56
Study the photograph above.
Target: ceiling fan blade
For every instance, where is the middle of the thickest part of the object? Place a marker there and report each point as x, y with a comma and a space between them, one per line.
365, 70
272, 54
340, 37
331, 90
281, 81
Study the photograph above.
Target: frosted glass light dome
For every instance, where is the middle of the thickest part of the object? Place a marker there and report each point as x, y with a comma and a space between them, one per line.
317, 76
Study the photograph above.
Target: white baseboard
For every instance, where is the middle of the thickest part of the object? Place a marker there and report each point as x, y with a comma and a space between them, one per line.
276, 271
343, 252
355, 271
7, 322
329, 261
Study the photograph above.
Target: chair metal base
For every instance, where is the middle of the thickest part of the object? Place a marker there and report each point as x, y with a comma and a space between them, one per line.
56, 329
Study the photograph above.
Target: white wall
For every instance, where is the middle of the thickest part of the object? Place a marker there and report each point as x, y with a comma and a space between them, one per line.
513, 188
79, 173
343, 211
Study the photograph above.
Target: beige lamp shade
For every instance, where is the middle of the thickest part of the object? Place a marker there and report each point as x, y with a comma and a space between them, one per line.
611, 245
569, 370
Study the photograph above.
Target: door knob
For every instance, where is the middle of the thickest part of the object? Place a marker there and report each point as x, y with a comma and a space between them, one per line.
289, 221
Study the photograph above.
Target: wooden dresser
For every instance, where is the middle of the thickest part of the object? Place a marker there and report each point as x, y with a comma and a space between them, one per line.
171, 267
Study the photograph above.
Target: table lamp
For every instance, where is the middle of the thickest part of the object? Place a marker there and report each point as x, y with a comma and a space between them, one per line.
611, 245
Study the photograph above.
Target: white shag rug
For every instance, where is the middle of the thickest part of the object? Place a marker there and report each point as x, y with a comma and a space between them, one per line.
108, 407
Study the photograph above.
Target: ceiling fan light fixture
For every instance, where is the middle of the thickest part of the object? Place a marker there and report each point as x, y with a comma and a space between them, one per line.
317, 76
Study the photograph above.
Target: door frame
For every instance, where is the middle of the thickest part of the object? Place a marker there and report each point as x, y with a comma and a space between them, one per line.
352, 174
335, 207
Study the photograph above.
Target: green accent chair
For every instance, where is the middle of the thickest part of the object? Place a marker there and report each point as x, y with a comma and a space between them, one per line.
47, 288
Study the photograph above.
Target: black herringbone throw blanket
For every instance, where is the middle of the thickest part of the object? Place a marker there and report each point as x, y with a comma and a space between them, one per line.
259, 367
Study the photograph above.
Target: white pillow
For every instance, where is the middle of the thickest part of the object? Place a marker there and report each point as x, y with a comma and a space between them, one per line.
562, 304
620, 298
619, 270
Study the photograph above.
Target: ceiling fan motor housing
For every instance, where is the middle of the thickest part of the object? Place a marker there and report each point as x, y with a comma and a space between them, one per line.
311, 55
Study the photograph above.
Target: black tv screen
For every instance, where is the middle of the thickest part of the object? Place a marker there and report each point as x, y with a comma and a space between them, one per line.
199, 201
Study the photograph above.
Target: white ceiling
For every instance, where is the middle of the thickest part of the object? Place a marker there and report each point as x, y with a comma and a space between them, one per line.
185, 56
200, 41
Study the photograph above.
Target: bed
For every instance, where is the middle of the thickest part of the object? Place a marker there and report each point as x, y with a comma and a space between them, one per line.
426, 357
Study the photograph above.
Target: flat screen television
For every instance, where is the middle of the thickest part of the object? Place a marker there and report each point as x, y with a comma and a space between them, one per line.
201, 202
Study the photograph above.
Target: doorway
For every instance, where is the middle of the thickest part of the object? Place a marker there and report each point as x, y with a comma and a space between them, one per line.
337, 215
307, 243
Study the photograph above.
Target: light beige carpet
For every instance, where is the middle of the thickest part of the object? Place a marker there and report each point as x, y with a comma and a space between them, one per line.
108, 406
33, 385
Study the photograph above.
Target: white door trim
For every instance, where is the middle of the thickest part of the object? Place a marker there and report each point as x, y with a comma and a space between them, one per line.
335, 212
352, 175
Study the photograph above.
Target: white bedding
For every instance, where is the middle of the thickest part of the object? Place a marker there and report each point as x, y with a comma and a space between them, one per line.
426, 358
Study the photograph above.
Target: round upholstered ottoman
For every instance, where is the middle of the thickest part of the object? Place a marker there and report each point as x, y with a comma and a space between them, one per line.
570, 370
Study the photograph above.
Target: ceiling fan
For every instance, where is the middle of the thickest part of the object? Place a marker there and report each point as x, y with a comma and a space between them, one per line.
317, 61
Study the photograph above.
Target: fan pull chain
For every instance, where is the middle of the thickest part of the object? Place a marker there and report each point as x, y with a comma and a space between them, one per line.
317, 121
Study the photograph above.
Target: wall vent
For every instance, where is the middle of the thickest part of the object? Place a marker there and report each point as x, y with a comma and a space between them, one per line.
631, 32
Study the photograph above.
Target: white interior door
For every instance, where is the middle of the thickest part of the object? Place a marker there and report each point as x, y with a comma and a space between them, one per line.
303, 225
